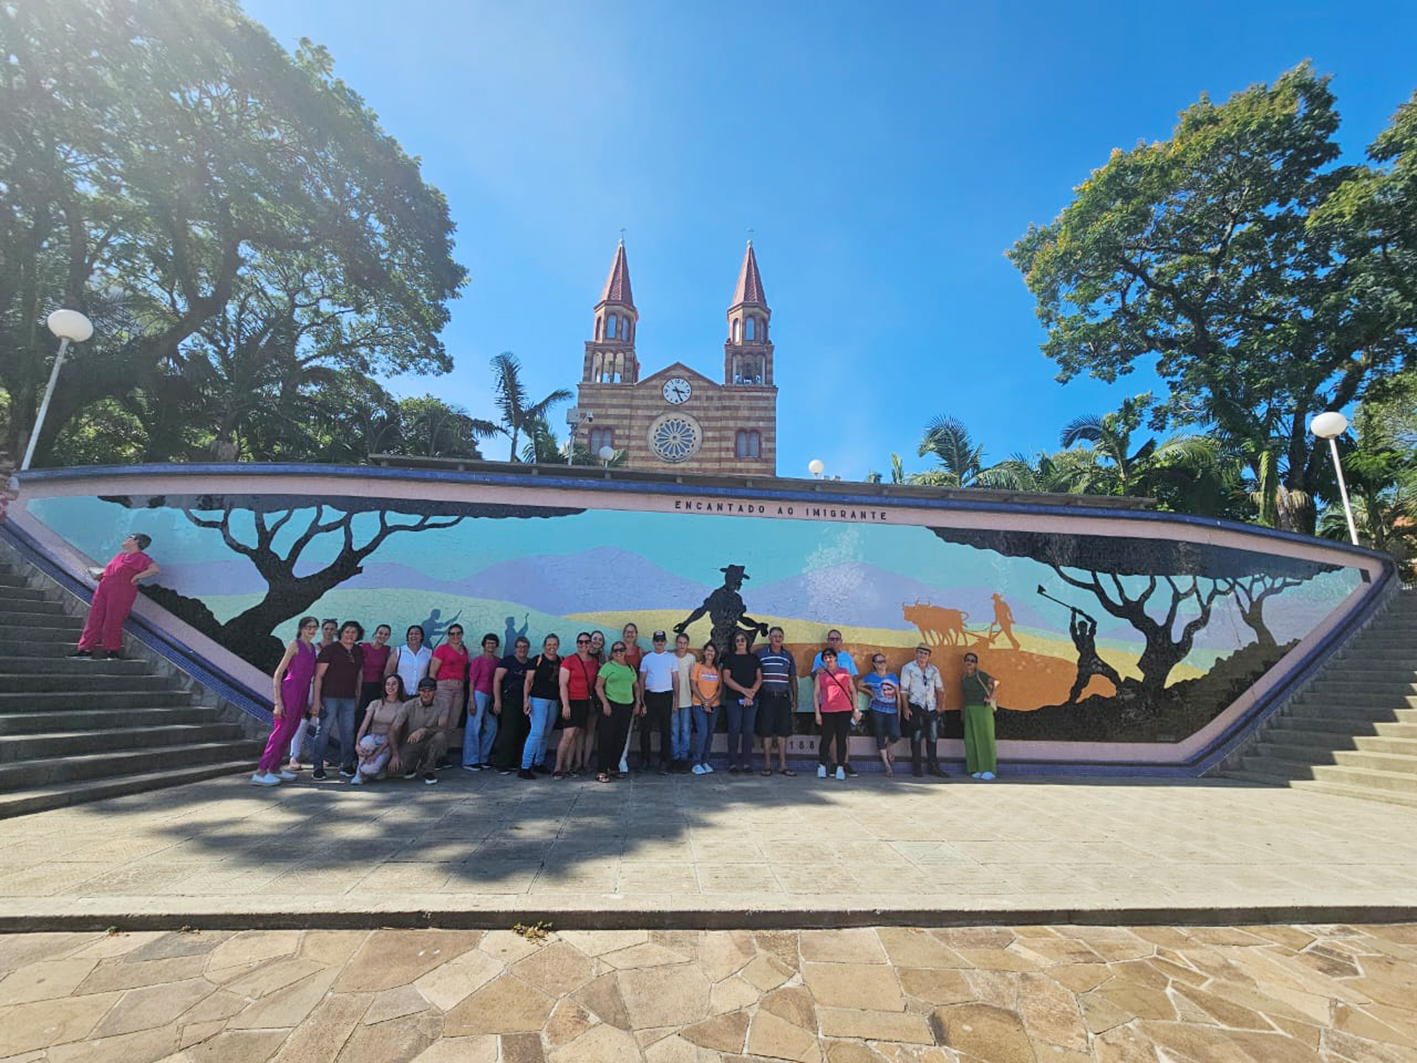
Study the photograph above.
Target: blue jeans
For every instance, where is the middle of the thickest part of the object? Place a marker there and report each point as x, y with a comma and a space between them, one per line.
679, 721
337, 712
543, 717
704, 719
740, 731
481, 730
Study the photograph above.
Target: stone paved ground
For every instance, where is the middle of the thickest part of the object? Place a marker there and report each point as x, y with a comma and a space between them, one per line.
1263, 994
484, 843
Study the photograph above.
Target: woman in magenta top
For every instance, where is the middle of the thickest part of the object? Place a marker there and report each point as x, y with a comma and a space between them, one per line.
449, 667
481, 729
113, 599
836, 710
292, 697
376, 656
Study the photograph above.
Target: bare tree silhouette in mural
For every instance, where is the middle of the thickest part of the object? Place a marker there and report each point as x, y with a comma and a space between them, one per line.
726, 611
1083, 629
1250, 595
278, 541
1168, 591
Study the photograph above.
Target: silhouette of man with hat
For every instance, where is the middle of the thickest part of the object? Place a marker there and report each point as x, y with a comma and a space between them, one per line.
726, 609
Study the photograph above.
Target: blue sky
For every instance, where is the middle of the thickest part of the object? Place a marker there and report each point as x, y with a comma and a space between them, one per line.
885, 155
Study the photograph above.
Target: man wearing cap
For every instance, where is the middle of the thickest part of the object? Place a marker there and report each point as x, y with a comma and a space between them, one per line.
922, 686
658, 669
427, 738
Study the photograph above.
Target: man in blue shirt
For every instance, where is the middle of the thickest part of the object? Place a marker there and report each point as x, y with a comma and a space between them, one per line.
777, 701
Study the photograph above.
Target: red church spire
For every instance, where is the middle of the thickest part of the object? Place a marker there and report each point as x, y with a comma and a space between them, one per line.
617, 285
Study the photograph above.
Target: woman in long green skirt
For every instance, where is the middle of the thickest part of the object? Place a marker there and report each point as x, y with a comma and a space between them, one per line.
979, 705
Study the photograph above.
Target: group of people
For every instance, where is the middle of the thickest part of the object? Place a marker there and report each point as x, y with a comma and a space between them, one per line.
413, 698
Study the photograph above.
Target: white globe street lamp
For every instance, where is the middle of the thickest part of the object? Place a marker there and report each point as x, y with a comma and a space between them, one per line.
1330, 426
71, 327
607, 455
815, 467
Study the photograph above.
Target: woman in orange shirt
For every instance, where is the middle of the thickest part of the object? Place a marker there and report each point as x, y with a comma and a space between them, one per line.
707, 684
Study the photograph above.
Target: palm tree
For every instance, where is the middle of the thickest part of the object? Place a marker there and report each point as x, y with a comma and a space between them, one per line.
518, 411
948, 440
1110, 434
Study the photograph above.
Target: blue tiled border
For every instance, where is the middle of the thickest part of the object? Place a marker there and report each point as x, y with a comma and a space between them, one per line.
1239, 731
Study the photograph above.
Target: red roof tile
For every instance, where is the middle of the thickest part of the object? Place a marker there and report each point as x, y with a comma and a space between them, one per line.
617, 285
750, 284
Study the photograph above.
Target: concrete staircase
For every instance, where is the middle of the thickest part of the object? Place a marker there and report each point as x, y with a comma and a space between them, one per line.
74, 730
1353, 730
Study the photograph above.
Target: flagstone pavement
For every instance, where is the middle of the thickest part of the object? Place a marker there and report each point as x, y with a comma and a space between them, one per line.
1261, 994
719, 851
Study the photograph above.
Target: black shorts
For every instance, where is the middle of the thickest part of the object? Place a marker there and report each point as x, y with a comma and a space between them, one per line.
580, 712
774, 715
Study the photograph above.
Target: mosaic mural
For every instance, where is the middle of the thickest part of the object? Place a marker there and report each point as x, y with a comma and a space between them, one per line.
1096, 638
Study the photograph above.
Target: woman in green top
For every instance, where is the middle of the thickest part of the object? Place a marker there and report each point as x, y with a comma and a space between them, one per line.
615, 690
979, 691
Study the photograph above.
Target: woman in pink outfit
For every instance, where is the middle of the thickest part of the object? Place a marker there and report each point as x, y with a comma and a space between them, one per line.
113, 599
292, 697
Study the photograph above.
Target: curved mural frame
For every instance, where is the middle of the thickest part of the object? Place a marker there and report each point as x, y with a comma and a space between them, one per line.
1051, 535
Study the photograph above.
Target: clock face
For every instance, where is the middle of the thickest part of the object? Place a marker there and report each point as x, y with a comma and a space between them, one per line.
677, 390
675, 437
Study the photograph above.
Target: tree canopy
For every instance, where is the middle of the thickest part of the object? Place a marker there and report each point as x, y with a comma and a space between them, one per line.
1265, 282
230, 215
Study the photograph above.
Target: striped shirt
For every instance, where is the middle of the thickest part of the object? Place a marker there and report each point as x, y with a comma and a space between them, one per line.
779, 670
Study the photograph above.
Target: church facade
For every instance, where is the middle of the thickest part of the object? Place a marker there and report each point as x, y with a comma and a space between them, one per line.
676, 417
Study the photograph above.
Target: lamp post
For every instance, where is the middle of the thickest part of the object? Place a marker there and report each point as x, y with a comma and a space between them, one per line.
815, 467
1330, 426
606, 455
71, 327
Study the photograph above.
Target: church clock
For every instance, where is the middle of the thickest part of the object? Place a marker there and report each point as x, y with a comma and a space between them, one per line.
677, 391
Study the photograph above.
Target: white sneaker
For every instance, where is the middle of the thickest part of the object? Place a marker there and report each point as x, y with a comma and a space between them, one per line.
708, 769
976, 775
841, 774
286, 776
697, 769
358, 780
624, 766
821, 771
268, 779
986, 775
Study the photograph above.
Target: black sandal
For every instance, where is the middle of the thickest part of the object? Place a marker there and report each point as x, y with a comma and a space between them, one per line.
602, 777
787, 771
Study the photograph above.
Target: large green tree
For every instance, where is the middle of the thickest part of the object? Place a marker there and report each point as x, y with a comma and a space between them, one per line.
1197, 254
203, 195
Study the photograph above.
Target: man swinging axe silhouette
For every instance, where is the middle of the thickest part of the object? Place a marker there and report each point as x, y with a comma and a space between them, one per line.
1083, 628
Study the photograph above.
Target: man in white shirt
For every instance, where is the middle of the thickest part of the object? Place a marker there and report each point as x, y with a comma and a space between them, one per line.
922, 687
681, 727
658, 672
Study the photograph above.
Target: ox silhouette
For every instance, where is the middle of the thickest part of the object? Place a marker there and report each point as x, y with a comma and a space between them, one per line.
938, 626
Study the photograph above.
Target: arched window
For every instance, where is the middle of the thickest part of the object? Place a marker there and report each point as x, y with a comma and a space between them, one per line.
601, 437
747, 443
628, 331
748, 329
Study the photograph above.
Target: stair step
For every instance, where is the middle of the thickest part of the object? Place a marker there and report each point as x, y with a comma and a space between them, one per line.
118, 696
34, 746
23, 608
1338, 688
31, 665
17, 684
62, 795
1351, 758
1356, 714
54, 630
40, 773
1390, 797
14, 723
21, 592
1328, 741
1399, 782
